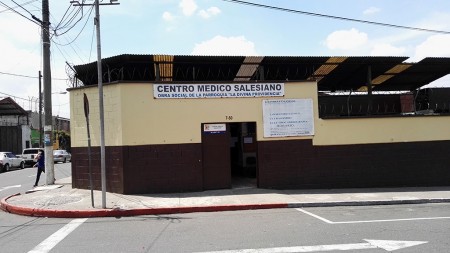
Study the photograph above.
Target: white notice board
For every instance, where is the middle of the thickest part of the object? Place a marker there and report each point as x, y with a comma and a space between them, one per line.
288, 117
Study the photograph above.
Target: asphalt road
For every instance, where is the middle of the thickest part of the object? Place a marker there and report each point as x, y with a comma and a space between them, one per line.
347, 229
20, 181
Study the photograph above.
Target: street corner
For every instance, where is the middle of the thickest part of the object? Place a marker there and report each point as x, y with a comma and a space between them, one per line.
4, 205
42, 205
44, 188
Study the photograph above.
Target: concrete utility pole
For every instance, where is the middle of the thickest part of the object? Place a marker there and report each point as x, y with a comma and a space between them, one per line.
48, 124
40, 110
100, 100
100, 94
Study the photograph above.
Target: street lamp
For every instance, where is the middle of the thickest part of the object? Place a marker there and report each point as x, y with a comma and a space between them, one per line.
59, 92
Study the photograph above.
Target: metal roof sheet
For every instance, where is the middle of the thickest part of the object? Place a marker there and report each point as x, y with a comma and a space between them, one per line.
417, 75
9, 107
331, 73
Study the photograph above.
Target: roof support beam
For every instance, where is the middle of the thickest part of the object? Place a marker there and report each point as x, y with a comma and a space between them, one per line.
369, 89
157, 75
261, 73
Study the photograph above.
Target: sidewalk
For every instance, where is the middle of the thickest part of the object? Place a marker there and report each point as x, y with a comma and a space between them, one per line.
62, 201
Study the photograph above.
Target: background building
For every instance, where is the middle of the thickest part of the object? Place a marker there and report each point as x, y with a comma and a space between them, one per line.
19, 129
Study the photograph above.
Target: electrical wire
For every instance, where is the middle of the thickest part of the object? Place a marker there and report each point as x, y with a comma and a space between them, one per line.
63, 17
336, 17
34, 77
68, 26
87, 19
16, 97
10, 8
92, 42
23, 8
11, 74
29, 2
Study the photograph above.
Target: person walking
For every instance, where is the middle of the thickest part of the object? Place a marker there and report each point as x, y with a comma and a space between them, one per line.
40, 167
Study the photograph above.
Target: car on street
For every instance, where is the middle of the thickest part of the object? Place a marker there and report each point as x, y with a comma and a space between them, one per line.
29, 155
9, 160
61, 156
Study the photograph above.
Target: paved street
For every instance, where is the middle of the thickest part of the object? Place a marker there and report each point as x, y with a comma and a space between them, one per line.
21, 181
348, 229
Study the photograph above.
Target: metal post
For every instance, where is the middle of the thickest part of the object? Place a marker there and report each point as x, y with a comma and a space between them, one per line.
48, 124
86, 114
100, 100
100, 92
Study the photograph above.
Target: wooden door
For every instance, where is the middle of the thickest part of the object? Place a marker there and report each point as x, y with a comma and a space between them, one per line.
216, 156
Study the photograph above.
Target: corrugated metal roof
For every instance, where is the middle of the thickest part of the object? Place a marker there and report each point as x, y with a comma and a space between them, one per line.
248, 68
418, 75
331, 73
9, 107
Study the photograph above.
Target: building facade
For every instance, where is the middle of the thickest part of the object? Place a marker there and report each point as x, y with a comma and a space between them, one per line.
172, 136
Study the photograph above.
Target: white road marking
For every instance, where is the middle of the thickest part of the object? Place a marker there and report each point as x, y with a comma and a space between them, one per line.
368, 221
57, 237
370, 244
9, 187
315, 216
391, 220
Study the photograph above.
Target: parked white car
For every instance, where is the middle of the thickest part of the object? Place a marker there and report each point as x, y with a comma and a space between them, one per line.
61, 156
9, 160
29, 155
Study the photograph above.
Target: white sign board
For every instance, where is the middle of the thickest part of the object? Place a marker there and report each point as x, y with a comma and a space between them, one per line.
230, 90
288, 117
214, 127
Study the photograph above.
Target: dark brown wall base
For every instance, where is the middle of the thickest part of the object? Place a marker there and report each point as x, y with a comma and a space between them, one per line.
298, 164
163, 168
114, 168
281, 165
141, 169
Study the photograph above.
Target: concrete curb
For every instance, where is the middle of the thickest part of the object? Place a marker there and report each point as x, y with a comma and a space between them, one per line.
117, 212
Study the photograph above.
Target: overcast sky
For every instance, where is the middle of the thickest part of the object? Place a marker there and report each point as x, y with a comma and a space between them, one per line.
211, 27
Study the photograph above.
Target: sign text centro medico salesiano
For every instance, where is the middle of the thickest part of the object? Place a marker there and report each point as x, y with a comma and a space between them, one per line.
231, 90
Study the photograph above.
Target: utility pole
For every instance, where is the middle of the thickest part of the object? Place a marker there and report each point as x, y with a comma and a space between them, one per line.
48, 124
100, 100
100, 94
40, 110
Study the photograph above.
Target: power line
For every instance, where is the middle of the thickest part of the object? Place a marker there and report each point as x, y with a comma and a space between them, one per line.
12, 9
29, 2
76, 37
16, 97
336, 17
68, 23
34, 77
11, 74
92, 41
21, 6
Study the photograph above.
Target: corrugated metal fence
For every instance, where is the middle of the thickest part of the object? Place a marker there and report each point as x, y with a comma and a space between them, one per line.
11, 139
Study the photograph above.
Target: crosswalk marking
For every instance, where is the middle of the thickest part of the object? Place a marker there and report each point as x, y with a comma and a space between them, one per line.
369, 221
57, 237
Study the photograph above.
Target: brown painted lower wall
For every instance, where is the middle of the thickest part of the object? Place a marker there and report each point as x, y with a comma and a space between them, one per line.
281, 165
298, 164
142, 169
163, 168
113, 168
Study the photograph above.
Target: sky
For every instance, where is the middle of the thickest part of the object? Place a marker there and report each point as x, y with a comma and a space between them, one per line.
209, 27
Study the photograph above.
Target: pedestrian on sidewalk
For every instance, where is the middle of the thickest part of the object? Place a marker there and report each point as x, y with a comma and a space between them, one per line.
40, 167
